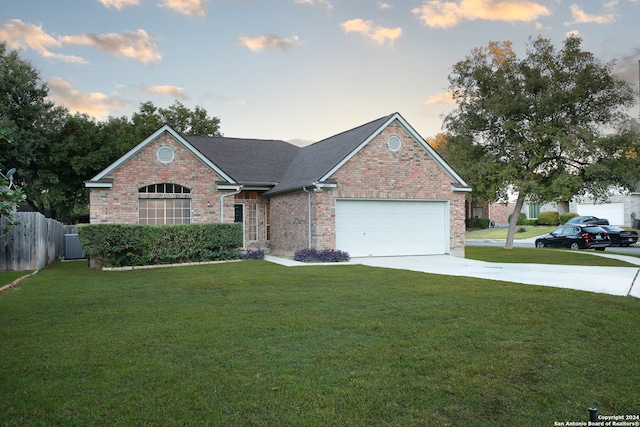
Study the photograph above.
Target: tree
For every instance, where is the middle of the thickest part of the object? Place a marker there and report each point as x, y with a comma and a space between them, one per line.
548, 127
150, 118
55, 152
9, 194
25, 115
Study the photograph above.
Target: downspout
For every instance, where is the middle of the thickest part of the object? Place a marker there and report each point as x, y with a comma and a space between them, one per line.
222, 201
308, 216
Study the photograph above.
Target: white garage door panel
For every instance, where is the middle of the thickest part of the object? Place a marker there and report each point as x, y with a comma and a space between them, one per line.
614, 212
385, 228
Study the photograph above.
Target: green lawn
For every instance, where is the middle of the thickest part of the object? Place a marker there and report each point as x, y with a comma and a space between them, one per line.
258, 344
501, 233
541, 256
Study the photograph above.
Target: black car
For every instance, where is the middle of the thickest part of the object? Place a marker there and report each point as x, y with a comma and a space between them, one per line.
620, 236
592, 220
575, 236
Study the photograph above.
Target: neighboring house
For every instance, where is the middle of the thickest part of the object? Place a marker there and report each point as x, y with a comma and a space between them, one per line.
376, 190
621, 209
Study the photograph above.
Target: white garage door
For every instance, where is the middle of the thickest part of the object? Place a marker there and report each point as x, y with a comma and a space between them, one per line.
614, 212
386, 228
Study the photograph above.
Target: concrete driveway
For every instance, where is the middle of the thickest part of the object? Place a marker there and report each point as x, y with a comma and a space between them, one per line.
606, 280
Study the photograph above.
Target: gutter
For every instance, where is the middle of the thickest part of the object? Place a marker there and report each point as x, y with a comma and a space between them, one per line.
308, 216
237, 189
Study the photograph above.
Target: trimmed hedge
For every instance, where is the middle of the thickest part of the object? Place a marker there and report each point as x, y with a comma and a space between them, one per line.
477, 223
119, 245
548, 218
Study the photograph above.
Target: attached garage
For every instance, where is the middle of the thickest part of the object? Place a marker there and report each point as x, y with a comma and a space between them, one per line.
614, 212
392, 227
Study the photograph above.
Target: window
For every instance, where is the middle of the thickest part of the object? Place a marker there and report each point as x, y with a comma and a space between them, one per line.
165, 188
164, 204
251, 218
165, 154
165, 211
534, 210
394, 143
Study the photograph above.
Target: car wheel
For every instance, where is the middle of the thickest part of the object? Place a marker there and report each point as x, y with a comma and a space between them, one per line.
540, 245
575, 246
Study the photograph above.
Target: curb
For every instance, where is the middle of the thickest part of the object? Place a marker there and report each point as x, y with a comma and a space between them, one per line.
18, 280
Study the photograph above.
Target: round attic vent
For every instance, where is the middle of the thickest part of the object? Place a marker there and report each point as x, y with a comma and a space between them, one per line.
165, 154
394, 143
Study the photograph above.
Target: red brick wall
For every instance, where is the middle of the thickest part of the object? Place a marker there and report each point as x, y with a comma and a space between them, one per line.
499, 212
374, 172
120, 203
289, 222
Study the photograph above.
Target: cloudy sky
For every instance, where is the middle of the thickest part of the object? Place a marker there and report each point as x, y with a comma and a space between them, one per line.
298, 70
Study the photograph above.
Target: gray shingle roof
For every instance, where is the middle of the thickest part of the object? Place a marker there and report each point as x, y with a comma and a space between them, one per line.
286, 166
247, 160
275, 161
315, 160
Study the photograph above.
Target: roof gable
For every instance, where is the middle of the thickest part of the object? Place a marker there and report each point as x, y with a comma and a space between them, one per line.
101, 181
319, 161
315, 160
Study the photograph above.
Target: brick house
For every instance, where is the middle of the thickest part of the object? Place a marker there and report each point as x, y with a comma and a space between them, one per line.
376, 190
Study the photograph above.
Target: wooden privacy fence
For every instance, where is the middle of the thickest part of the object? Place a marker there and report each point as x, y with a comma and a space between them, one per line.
34, 244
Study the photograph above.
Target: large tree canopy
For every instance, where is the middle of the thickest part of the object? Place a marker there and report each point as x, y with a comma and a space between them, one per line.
548, 127
55, 152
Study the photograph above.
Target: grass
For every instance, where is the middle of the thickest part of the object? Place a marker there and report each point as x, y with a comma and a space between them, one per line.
259, 344
501, 233
7, 277
540, 256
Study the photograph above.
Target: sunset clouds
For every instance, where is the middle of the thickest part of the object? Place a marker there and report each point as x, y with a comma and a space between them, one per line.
130, 44
606, 16
266, 41
20, 35
323, 5
119, 4
136, 45
369, 30
448, 14
196, 8
253, 62
94, 104
174, 92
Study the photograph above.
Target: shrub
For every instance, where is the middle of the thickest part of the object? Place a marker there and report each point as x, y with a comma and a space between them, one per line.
117, 245
531, 222
548, 218
522, 219
324, 255
521, 229
476, 223
567, 216
252, 254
